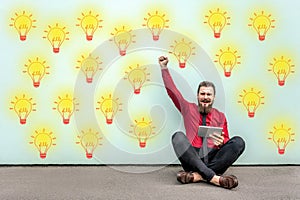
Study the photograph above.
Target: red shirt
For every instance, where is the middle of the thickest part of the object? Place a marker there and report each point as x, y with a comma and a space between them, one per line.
191, 115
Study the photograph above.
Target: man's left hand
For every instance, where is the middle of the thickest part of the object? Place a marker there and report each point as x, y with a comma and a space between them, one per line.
217, 138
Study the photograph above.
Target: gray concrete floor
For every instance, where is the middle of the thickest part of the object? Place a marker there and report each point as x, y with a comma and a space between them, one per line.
142, 183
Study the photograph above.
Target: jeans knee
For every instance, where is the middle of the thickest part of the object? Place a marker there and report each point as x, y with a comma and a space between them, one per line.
177, 136
239, 143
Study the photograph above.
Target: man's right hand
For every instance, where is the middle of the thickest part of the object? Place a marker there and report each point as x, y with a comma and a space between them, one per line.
163, 61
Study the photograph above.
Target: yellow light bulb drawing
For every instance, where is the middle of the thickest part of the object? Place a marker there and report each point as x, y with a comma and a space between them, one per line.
261, 24
156, 23
56, 36
281, 67
142, 130
109, 107
89, 140
182, 50
281, 136
217, 20
137, 76
43, 141
66, 107
23, 23
251, 101
228, 59
89, 66
122, 38
89, 24
36, 69
23, 106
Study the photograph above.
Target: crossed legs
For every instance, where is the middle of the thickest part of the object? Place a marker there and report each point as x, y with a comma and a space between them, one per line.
218, 160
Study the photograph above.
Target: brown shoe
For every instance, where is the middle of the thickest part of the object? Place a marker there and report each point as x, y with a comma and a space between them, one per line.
228, 181
185, 177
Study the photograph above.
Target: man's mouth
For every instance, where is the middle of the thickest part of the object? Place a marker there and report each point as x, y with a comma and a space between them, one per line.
205, 101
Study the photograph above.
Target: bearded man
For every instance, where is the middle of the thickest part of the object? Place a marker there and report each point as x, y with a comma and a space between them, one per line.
202, 159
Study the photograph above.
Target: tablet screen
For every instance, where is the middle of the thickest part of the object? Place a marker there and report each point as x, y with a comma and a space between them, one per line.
204, 131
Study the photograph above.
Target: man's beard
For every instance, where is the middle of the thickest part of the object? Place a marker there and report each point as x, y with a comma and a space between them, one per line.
205, 110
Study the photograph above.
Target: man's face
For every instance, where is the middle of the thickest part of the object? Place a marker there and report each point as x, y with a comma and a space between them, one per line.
206, 99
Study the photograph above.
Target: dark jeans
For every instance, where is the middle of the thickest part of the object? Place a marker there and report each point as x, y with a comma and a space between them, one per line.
219, 160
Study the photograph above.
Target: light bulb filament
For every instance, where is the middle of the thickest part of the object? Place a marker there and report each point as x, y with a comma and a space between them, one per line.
108, 110
89, 144
89, 69
89, 26
217, 24
182, 55
23, 26
281, 140
142, 133
43, 144
23, 110
262, 26
57, 38
36, 73
251, 103
156, 26
137, 80
64, 110
281, 71
124, 41
228, 62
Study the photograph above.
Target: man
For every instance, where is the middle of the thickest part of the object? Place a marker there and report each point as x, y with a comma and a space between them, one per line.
202, 162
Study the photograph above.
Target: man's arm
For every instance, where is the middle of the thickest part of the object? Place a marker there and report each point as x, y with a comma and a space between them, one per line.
225, 131
170, 86
220, 140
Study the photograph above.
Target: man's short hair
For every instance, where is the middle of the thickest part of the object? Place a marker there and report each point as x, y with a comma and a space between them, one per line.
206, 84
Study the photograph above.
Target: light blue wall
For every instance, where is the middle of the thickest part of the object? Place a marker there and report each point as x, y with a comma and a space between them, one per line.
186, 21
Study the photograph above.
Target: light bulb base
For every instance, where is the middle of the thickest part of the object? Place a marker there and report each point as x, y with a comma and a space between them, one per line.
142, 144
36, 84
89, 37
89, 80
89, 155
261, 37
217, 35
122, 52
42, 155
251, 114
109, 121
66, 121
182, 65
56, 50
22, 121
137, 91
281, 151
155, 37
22, 37
281, 83
227, 74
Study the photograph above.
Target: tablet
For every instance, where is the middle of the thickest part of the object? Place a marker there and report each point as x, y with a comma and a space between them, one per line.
204, 131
